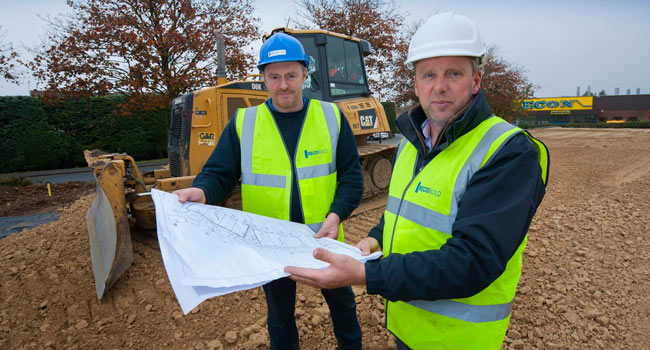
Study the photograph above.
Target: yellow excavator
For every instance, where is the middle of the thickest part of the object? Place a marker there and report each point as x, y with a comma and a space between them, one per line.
122, 202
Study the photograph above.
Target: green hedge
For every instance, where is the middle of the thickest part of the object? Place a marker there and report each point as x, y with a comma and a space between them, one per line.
389, 108
38, 136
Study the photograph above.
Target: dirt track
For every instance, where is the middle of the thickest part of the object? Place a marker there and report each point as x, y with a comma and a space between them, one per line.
584, 284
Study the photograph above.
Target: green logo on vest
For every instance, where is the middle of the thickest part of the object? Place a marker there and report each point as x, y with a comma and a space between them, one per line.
315, 153
427, 190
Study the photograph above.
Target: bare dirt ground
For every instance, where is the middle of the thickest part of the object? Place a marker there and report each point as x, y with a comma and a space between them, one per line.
31, 199
584, 284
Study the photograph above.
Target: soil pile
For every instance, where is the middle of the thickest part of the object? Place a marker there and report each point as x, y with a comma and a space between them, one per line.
584, 282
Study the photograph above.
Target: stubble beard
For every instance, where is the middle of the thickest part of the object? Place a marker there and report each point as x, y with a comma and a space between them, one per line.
288, 104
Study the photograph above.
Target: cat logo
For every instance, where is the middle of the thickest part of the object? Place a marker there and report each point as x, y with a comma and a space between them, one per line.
206, 139
368, 119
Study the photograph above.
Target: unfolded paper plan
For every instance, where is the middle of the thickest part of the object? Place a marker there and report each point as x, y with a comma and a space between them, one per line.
210, 251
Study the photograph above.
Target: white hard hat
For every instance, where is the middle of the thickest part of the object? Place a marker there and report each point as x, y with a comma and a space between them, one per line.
446, 34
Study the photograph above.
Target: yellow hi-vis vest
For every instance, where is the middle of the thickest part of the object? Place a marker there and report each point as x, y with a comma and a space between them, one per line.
419, 216
267, 170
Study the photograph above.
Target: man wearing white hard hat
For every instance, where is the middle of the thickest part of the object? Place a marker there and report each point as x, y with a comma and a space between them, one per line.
464, 189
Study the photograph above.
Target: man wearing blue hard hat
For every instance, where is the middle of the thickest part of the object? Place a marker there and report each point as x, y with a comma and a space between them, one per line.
298, 160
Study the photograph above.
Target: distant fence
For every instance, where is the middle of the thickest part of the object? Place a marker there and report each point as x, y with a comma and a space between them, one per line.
525, 124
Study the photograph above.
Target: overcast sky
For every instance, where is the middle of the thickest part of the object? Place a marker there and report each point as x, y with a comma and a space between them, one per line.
562, 44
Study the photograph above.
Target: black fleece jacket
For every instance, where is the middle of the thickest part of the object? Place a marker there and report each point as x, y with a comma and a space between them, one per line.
492, 220
222, 171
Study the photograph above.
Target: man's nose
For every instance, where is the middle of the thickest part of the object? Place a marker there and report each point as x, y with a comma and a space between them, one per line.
441, 85
283, 83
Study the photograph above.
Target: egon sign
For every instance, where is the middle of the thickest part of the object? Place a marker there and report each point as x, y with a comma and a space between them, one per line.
558, 103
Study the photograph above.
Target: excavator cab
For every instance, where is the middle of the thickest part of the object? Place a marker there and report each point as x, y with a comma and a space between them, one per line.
336, 70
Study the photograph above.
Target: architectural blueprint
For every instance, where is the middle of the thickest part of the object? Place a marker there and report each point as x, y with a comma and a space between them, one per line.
210, 251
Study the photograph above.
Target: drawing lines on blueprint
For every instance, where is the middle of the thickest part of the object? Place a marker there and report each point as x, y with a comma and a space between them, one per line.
238, 229
210, 251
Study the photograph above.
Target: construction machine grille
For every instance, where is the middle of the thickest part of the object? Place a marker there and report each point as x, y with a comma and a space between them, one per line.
174, 139
175, 165
176, 123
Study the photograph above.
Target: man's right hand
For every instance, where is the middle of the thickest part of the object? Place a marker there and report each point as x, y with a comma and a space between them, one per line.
192, 194
368, 245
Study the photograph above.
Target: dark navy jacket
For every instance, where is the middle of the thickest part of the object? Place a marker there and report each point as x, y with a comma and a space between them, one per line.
492, 221
221, 172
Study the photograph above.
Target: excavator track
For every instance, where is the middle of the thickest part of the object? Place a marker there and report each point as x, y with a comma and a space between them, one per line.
376, 167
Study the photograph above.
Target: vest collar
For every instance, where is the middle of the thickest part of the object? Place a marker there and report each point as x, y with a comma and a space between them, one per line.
269, 104
409, 123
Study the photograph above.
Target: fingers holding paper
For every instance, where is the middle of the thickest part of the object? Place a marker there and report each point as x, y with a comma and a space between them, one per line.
342, 271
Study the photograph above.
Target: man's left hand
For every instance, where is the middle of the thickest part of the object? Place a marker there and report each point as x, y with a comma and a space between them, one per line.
343, 271
330, 227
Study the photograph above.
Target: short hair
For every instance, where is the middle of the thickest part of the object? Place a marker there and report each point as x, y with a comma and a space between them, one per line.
475, 64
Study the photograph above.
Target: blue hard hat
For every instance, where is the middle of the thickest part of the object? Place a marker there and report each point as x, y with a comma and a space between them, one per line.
281, 47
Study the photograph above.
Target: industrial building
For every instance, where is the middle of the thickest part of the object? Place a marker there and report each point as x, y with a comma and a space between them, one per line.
585, 109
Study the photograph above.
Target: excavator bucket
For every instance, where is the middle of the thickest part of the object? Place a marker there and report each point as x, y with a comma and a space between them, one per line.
108, 226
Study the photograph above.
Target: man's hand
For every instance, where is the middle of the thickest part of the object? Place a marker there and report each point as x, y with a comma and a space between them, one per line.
343, 271
191, 194
330, 227
368, 245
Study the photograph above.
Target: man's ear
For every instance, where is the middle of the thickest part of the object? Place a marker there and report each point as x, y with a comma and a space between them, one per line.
477, 82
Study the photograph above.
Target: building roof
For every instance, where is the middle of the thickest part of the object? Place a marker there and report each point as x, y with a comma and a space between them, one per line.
622, 102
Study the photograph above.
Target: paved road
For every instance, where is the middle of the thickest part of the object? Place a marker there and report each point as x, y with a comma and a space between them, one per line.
85, 174
74, 174
391, 141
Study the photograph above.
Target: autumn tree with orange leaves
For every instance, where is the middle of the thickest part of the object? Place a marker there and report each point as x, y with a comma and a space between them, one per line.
377, 21
8, 59
149, 50
505, 84
402, 78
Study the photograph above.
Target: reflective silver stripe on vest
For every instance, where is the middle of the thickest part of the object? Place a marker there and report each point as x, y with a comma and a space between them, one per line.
246, 144
309, 172
315, 227
402, 144
268, 180
443, 223
247, 135
473, 163
438, 221
420, 215
465, 312
333, 127
313, 171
